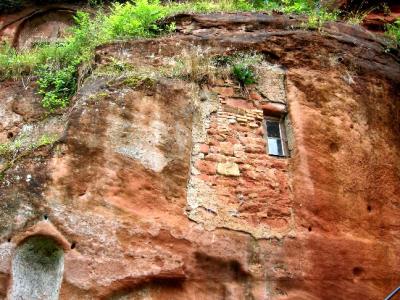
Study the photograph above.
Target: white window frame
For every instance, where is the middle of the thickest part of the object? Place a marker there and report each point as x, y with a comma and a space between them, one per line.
282, 133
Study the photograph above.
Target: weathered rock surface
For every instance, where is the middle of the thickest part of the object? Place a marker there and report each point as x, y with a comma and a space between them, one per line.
162, 188
36, 24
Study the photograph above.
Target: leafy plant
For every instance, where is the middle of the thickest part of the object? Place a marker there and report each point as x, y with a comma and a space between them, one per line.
298, 6
7, 149
197, 64
44, 140
56, 86
244, 74
318, 18
56, 64
393, 32
134, 20
22, 146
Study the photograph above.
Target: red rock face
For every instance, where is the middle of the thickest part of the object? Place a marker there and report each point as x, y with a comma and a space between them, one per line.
377, 20
36, 24
162, 187
376, 14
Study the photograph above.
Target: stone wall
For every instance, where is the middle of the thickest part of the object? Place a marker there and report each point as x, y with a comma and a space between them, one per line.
234, 183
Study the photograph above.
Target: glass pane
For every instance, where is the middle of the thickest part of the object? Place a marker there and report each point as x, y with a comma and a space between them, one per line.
273, 129
275, 147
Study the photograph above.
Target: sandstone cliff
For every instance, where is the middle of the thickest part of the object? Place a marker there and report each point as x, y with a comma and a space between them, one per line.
156, 186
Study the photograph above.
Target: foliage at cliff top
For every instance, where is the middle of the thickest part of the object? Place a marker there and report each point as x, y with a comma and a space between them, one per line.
393, 32
55, 65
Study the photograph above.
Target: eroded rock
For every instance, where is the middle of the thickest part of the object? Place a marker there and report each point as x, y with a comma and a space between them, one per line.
132, 181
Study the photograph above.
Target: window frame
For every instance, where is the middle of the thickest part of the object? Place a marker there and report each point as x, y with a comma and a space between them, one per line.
282, 132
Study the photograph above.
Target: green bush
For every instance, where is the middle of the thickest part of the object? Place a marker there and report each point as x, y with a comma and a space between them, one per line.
134, 19
244, 74
298, 6
56, 64
317, 18
56, 86
393, 32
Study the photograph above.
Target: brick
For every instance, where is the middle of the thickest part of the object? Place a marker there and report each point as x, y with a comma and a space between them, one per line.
206, 178
226, 148
228, 169
255, 96
254, 148
216, 157
221, 137
224, 91
238, 150
207, 167
252, 174
204, 148
239, 103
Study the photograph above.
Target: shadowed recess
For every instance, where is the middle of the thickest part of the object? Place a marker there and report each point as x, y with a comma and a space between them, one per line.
37, 269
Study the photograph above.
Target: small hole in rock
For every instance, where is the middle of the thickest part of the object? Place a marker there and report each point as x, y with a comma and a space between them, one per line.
10, 135
309, 228
9, 240
245, 134
369, 208
73, 245
334, 147
45, 217
357, 271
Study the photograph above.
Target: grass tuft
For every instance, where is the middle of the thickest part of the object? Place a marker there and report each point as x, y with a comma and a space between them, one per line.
393, 32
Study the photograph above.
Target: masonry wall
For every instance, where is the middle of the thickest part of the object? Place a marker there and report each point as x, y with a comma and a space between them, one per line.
234, 183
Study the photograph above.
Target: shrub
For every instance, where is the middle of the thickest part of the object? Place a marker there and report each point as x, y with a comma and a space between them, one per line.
56, 64
134, 20
393, 32
317, 19
358, 16
298, 6
244, 74
56, 86
199, 65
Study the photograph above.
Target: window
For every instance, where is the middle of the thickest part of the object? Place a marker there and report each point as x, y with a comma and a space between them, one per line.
276, 137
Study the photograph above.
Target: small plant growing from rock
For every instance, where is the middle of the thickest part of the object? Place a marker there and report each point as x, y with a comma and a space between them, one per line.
201, 66
244, 74
393, 32
56, 86
22, 146
317, 18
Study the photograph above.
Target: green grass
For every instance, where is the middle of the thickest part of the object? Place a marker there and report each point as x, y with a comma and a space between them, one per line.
56, 65
20, 147
318, 18
393, 32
